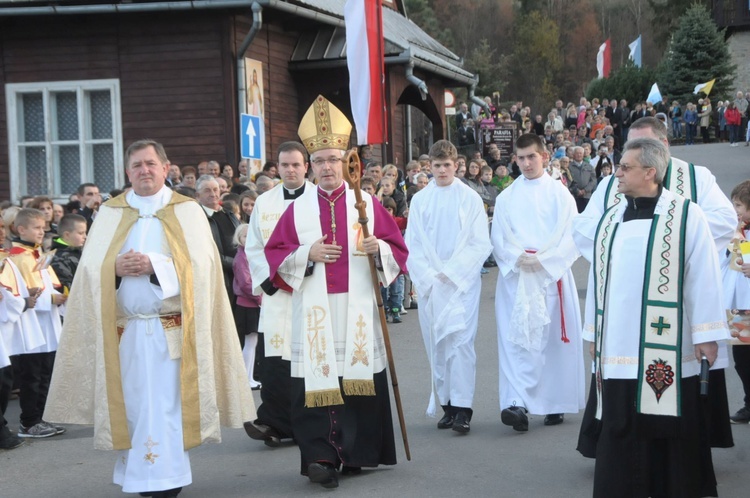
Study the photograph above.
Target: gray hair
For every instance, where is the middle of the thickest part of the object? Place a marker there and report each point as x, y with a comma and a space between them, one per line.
654, 154
203, 180
421, 175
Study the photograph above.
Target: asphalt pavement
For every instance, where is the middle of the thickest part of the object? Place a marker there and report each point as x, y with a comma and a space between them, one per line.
492, 460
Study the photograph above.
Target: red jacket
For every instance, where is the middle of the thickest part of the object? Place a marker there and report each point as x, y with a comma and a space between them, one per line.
733, 117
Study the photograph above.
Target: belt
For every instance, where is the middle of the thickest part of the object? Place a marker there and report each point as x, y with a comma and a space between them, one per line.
168, 321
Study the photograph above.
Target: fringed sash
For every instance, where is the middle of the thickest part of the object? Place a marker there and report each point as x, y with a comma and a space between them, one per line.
319, 362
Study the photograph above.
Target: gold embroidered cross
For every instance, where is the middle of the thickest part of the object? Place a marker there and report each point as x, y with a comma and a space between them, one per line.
277, 341
150, 456
660, 326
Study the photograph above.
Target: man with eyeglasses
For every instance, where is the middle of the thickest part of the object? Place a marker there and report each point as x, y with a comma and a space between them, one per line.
341, 415
651, 322
697, 184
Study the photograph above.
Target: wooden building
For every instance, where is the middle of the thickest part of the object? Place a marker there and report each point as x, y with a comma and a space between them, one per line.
79, 80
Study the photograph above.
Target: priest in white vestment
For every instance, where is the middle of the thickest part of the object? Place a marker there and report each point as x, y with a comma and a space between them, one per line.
536, 302
149, 348
274, 413
699, 185
448, 241
653, 310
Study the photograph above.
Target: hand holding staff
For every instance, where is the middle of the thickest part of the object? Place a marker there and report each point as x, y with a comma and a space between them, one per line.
352, 173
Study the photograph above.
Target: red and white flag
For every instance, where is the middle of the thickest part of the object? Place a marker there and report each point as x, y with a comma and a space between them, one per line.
365, 47
604, 59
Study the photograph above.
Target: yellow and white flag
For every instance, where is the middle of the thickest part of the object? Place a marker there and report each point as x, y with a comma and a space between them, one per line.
704, 87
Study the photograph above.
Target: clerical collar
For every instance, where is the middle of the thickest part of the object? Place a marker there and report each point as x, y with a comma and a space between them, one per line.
331, 193
293, 194
640, 208
210, 212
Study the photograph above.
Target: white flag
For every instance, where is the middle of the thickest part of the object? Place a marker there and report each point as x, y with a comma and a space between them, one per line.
654, 96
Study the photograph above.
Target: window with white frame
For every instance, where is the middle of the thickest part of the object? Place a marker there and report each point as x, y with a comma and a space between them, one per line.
62, 134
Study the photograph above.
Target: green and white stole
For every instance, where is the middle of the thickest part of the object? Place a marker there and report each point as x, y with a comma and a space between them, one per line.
660, 356
319, 359
679, 179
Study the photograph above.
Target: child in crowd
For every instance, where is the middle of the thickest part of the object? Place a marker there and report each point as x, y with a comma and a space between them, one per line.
36, 364
12, 306
393, 295
367, 183
247, 311
736, 282
68, 247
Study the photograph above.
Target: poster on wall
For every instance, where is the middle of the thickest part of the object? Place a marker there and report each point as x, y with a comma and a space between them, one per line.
255, 106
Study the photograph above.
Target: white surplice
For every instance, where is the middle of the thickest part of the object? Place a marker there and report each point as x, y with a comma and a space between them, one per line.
48, 316
448, 241
11, 308
25, 334
704, 318
157, 460
546, 376
718, 210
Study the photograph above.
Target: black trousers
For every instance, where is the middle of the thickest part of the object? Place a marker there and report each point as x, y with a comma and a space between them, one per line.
6, 384
742, 366
704, 134
275, 409
36, 373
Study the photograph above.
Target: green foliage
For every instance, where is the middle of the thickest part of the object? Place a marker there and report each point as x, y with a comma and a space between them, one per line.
628, 82
423, 15
489, 66
666, 17
697, 53
536, 58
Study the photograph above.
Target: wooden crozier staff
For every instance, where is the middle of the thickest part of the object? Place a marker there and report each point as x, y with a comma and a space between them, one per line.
352, 172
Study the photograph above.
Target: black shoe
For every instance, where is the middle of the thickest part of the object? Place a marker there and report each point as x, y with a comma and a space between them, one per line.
515, 416
554, 419
323, 474
461, 422
741, 417
9, 441
350, 471
262, 432
446, 422
414, 305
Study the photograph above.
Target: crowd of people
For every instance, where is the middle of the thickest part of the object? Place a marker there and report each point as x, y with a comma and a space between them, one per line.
284, 302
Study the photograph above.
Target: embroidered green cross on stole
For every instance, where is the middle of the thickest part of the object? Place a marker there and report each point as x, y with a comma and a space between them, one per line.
679, 179
660, 355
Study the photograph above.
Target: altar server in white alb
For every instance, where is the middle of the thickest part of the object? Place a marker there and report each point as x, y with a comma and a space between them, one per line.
149, 351
653, 310
536, 302
448, 242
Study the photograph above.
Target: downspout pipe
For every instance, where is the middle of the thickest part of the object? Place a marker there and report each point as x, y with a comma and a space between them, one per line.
481, 103
241, 80
420, 84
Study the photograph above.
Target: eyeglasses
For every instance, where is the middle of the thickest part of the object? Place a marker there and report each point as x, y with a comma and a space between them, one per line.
331, 161
627, 167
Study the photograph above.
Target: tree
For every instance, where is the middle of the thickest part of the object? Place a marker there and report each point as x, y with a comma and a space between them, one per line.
697, 53
667, 14
422, 14
627, 82
536, 60
490, 67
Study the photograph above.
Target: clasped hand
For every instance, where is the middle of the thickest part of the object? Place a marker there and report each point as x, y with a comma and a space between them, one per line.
529, 262
133, 264
330, 253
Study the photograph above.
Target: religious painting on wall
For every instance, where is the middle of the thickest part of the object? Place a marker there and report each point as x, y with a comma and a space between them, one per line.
255, 106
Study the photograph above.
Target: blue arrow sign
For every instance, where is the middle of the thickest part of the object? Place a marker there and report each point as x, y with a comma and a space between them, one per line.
250, 135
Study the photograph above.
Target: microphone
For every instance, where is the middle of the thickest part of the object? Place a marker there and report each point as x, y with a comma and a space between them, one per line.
704, 376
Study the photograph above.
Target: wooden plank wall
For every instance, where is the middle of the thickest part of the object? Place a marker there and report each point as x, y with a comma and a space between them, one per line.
172, 69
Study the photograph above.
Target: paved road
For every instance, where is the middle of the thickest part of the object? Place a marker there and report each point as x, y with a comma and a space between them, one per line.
490, 461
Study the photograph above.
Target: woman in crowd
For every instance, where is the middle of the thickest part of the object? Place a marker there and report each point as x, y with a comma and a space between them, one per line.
247, 203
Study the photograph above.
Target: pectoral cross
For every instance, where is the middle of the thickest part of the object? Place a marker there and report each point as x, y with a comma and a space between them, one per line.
660, 326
